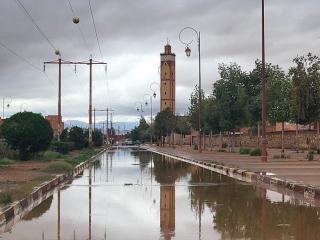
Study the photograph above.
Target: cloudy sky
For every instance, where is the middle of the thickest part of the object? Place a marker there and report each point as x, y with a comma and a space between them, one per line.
132, 34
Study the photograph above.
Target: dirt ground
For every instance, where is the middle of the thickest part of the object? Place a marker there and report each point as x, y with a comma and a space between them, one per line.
22, 171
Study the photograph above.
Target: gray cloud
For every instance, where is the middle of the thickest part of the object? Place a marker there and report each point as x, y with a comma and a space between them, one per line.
132, 34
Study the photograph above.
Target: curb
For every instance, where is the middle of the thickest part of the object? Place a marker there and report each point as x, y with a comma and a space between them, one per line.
289, 187
16, 210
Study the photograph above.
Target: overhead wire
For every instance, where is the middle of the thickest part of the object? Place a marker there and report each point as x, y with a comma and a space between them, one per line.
24, 60
35, 23
95, 29
79, 28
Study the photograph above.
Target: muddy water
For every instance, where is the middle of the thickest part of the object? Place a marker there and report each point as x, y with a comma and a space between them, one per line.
139, 195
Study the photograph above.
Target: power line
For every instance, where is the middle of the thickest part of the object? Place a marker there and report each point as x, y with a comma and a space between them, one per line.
80, 31
24, 60
95, 29
35, 24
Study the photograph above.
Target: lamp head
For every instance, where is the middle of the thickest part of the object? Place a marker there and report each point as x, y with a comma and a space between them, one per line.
76, 20
188, 51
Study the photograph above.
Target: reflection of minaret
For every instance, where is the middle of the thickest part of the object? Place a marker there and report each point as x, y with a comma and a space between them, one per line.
167, 211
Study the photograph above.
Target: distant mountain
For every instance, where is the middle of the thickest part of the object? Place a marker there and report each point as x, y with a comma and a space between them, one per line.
122, 126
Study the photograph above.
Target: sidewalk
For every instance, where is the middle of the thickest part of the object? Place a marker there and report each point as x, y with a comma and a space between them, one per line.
296, 168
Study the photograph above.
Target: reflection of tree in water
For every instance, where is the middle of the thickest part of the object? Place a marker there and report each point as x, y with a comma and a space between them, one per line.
168, 170
39, 210
240, 212
144, 158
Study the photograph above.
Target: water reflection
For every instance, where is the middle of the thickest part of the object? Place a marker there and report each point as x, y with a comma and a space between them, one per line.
165, 199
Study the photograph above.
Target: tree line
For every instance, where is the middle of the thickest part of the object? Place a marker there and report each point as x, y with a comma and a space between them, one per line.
235, 102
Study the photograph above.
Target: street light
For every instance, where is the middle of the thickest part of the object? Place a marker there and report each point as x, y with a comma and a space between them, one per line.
188, 53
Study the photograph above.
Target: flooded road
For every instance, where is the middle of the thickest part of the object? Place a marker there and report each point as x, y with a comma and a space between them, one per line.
131, 194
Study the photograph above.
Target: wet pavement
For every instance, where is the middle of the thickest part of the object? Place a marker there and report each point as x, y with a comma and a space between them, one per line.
130, 194
295, 168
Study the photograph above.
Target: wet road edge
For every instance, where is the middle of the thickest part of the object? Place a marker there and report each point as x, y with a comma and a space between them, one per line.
306, 194
16, 210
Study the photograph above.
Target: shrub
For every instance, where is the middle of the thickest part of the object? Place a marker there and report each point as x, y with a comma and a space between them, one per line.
5, 198
244, 150
221, 150
77, 136
6, 161
48, 155
28, 133
97, 138
58, 167
224, 145
255, 152
310, 156
62, 147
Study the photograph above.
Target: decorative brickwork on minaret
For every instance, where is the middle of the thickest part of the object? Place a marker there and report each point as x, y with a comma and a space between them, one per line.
167, 77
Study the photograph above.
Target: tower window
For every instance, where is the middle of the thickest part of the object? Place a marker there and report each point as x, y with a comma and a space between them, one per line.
165, 93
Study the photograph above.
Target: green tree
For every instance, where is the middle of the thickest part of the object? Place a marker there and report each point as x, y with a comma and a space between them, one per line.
279, 96
141, 132
194, 108
305, 78
164, 123
97, 138
28, 133
78, 137
64, 136
230, 98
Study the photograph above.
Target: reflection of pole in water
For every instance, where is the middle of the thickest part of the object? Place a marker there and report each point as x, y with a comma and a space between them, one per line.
58, 213
263, 195
167, 211
107, 176
90, 182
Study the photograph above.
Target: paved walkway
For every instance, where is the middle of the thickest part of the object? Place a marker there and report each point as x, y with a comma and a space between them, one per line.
295, 168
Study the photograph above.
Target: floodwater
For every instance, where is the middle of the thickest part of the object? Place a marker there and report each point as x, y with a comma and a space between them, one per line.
130, 194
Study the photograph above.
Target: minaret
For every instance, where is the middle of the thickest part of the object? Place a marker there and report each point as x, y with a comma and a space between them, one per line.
168, 77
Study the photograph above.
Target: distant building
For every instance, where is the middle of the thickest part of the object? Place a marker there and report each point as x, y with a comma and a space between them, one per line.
1, 120
54, 122
167, 79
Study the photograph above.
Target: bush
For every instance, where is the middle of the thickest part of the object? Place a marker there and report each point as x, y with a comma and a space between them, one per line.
58, 167
224, 145
48, 155
310, 156
221, 150
6, 161
97, 138
255, 152
62, 147
77, 136
5, 198
244, 150
28, 133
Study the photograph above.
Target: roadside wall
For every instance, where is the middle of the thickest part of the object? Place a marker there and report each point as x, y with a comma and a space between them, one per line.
15, 211
274, 139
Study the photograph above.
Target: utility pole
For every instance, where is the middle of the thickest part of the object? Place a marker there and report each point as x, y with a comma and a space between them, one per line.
111, 126
94, 119
59, 62
90, 63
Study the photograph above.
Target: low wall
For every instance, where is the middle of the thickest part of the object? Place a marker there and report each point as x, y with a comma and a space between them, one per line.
274, 139
15, 211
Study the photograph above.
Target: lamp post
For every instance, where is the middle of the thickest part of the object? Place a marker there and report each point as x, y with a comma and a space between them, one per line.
139, 108
188, 53
6, 101
264, 141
